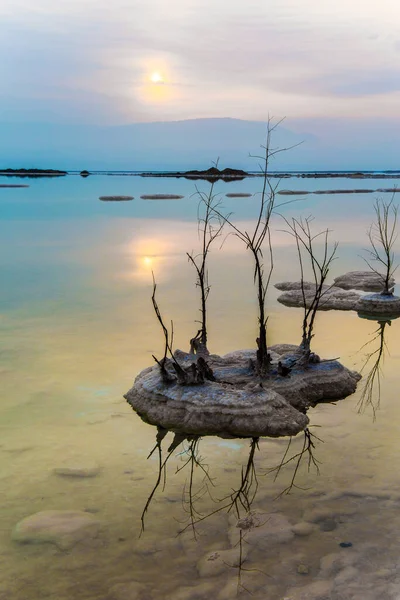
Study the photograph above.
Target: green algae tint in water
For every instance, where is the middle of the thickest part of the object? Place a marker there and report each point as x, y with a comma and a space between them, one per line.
77, 326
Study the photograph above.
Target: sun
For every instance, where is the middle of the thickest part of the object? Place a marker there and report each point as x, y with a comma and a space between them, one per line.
156, 77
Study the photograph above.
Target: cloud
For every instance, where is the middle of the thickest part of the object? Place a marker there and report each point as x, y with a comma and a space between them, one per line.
242, 61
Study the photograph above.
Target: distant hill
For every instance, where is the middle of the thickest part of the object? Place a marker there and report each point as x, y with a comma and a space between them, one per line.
195, 144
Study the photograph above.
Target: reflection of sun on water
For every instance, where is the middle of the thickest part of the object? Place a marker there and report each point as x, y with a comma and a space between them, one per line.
149, 254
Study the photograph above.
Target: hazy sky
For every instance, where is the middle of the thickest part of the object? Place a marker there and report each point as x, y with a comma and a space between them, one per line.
91, 61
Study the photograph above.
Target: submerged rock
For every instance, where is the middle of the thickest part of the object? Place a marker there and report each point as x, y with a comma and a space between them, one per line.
129, 590
303, 528
236, 404
64, 528
317, 590
216, 562
262, 530
76, 469
367, 281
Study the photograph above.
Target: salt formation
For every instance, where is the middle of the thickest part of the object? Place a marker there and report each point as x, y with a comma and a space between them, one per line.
367, 281
235, 403
332, 298
341, 295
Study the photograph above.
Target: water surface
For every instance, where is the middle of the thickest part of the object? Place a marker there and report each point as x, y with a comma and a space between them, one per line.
77, 325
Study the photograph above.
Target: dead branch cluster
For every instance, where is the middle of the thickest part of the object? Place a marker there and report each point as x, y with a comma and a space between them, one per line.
306, 241
382, 236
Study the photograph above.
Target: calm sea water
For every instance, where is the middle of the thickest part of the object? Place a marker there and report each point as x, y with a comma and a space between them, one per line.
76, 326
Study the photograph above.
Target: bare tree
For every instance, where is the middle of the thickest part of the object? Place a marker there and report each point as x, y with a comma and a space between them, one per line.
254, 242
382, 236
210, 226
300, 230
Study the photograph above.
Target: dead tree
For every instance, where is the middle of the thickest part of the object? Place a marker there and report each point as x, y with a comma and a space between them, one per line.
166, 375
382, 236
300, 230
210, 226
254, 242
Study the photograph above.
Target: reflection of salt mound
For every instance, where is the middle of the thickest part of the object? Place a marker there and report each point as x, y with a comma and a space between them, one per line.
236, 404
379, 305
368, 281
333, 298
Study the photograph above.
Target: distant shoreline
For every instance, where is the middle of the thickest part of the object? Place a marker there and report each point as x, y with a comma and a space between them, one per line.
32, 173
208, 175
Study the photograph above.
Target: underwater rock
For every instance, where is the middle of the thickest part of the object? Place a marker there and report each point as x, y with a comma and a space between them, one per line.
303, 528
201, 591
64, 528
328, 525
218, 561
75, 469
129, 590
333, 298
303, 569
379, 305
367, 281
262, 530
332, 563
317, 590
235, 403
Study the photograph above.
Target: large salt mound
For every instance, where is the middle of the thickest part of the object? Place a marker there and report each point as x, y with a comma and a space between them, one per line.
236, 404
367, 281
333, 298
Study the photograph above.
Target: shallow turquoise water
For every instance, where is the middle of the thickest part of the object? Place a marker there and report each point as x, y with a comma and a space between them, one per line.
76, 326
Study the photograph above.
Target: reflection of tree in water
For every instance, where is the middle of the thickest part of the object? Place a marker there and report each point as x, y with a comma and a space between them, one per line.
242, 496
371, 390
240, 499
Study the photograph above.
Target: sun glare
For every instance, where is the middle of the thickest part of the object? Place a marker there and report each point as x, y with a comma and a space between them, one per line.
156, 77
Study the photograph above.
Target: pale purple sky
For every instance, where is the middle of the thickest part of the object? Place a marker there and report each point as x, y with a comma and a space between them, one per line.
91, 61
